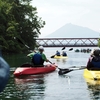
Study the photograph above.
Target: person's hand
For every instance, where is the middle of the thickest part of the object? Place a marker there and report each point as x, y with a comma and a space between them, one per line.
47, 60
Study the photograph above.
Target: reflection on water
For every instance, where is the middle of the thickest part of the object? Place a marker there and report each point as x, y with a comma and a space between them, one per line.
93, 88
61, 60
30, 87
94, 91
29, 79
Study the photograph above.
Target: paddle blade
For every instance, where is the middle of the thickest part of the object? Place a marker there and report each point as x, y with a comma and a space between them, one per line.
67, 70
64, 71
53, 56
63, 48
70, 49
18, 40
61, 71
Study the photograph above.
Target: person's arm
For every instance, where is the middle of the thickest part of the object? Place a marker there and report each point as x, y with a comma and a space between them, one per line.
45, 58
30, 54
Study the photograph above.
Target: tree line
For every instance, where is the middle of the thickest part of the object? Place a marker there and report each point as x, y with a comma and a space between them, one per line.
19, 25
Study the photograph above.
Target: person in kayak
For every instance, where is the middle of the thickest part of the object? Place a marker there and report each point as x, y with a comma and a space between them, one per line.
57, 53
94, 60
4, 73
39, 58
64, 53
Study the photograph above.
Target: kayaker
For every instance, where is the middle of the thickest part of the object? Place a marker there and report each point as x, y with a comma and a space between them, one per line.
57, 53
4, 73
39, 58
64, 53
94, 60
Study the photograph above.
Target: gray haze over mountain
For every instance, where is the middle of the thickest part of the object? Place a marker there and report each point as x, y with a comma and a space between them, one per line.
74, 31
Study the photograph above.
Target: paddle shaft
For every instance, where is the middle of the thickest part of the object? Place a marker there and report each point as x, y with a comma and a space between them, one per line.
25, 45
50, 62
67, 70
20, 41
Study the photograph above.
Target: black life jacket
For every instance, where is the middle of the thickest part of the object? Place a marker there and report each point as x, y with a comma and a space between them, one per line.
96, 62
58, 53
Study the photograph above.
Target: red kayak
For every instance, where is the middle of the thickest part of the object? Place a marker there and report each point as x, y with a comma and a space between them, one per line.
29, 70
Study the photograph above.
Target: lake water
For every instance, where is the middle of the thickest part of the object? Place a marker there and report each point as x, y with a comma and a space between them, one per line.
51, 86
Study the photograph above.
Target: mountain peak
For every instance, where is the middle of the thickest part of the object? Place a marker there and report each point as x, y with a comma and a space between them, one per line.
74, 31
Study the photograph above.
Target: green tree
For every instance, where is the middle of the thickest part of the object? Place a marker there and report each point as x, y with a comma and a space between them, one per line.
18, 19
99, 42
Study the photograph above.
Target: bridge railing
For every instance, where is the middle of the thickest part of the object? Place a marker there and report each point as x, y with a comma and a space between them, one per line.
68, 42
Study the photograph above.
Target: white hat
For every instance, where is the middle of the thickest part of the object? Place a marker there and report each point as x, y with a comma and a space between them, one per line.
41, 48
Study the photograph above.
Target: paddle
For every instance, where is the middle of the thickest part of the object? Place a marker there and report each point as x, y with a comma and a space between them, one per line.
68, 50
20, 41
63, 48
67, 70
51, 63
52, 56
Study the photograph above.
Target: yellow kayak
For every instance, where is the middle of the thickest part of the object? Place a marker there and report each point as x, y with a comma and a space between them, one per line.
91, 74
92, 82
60, 57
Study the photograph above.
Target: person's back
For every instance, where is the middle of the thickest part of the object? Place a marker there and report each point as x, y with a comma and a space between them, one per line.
57, 53
37, 59
94, 61
64, 53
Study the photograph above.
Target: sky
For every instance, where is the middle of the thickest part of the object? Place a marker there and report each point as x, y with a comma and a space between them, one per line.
57, 13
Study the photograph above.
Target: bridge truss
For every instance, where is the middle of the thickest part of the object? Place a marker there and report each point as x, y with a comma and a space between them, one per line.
68, 42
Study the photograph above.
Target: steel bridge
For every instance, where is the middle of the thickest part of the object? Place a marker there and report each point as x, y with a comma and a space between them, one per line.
67, 42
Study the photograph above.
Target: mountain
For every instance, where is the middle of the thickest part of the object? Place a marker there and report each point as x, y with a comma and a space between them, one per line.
74, 31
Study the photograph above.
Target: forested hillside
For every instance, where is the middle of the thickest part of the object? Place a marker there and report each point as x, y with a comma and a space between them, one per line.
19, 25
